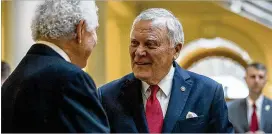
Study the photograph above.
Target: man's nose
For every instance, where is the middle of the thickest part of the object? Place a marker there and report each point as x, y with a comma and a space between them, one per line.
140, 51
257, 78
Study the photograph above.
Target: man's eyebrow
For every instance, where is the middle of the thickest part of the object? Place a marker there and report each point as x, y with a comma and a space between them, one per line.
145, 30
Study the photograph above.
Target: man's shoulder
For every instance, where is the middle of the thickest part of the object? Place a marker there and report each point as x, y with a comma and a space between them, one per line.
234, 104
65, 66
202, 79
268, 100
53, 65
202, 82
62, 66
68, 71
205, 87
53, 68
114, 86
195, 78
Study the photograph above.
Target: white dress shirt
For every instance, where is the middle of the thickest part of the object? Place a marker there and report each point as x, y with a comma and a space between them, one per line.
258, 104
163, 95
56, 49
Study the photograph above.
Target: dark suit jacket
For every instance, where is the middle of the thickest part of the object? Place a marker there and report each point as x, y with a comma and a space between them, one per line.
45, 93
122, 100
238, 116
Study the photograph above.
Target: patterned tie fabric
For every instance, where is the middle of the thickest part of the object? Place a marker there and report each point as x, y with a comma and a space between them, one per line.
254, 121
154, 114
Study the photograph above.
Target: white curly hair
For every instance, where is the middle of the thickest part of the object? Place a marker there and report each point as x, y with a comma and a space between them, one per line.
163, 18
56, 19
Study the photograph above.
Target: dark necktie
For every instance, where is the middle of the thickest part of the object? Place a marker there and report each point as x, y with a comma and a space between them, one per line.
254, 121
154, 114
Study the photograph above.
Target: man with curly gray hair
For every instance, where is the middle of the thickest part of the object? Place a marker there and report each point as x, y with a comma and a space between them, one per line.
48, 91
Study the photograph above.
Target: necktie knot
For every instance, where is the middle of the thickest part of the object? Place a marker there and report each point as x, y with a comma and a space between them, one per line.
154, 89
254, 106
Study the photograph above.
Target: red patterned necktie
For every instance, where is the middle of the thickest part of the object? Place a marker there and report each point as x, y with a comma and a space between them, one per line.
154, 114
254, 121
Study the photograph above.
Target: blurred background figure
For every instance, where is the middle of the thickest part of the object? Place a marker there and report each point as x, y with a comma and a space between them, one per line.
254, 113
5, 71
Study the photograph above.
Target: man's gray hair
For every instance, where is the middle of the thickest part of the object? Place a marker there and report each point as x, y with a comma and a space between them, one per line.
163, 18
56, 19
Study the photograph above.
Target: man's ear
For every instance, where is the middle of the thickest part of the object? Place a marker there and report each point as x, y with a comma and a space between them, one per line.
178, 47
80, 30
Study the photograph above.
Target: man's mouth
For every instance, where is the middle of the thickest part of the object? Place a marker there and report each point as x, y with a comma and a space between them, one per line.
142, 63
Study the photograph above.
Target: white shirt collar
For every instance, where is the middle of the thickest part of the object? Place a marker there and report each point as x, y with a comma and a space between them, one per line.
258, 102
55, 48
165, 84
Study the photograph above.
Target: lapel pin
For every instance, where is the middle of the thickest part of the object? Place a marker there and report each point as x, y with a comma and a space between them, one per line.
267, 107
182, 88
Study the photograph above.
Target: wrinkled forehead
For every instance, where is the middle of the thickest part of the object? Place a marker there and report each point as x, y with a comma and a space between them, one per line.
148, 27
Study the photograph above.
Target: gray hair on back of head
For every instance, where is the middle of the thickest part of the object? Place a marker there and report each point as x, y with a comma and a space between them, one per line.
163, 18
56, 19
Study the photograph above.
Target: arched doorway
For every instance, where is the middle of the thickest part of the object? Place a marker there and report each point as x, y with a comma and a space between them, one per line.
219, 59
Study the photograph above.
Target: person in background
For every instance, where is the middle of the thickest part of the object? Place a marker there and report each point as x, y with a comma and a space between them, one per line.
48, 91
254, 113
5, 71
159, 96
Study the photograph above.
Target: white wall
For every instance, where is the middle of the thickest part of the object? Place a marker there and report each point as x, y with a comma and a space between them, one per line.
23, 11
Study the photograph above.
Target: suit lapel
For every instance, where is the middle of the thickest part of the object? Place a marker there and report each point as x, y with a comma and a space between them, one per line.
243, 119
265, 113
131, 98
178, 98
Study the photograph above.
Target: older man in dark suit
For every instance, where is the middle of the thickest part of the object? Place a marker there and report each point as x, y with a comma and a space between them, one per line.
159, 96
48, 91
